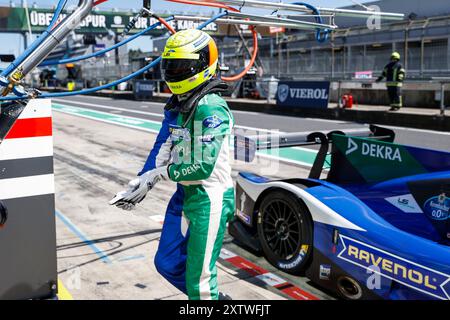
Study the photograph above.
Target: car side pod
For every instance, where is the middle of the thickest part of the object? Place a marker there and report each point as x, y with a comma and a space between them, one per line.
27, 202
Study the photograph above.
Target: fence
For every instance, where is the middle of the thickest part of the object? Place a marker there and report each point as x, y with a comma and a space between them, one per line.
102, 70
423, 44
424, 59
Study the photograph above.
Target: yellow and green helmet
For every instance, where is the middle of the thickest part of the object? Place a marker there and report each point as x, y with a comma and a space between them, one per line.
190, 58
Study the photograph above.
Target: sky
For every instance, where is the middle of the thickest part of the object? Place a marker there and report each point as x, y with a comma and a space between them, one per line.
157, 3
15, 41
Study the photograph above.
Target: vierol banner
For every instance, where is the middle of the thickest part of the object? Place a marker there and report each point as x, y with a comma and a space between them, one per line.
303, 94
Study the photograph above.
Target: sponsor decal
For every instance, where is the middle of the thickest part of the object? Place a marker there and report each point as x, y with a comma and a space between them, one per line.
316, 94
190, 170
243, 198
408, 273
206, 139
177, 154
177, 174
240, 212
200, 41
405, 203
206, 73
325, 272
283, 92
297, 261
375, 161
212, 122
42, 19
438, 208
303, 94
374, 150
167, 54
184, 25
144, 86
174, 86
352, 147
364, 75
15, 19
179, 133
244, 217
194, 78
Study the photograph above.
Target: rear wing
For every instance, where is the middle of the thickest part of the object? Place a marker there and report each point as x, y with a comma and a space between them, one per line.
246, 147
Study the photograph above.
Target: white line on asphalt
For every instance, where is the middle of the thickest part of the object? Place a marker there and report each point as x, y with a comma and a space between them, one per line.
256, 129
150, 104
419, 130
247, 112
100, 98
159, 115
109, 121
327, 120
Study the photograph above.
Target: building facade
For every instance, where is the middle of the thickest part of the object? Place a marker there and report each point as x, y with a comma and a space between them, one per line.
422, 39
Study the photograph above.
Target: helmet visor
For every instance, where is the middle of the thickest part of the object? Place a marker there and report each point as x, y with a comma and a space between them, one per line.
175, 70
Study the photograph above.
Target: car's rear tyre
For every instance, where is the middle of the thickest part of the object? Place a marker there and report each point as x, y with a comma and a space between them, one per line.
3, 214
285, 230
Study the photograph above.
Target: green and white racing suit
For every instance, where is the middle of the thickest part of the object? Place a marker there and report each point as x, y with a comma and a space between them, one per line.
198, 212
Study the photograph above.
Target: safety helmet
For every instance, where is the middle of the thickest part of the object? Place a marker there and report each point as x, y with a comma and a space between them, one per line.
395, 55
190, 58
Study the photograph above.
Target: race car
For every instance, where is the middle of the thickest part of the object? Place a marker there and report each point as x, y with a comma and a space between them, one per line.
377, 227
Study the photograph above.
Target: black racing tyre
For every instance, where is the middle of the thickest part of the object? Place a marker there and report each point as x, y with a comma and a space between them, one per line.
285, 230
3, 214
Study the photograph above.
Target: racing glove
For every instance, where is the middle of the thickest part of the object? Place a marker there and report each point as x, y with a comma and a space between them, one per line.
138, 189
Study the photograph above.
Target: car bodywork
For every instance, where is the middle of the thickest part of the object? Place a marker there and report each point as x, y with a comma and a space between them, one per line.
380, 219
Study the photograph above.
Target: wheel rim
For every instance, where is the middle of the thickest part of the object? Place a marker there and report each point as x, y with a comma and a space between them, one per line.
282, 228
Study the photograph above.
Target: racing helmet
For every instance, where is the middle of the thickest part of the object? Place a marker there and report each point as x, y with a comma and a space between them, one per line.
395, 56
190, 59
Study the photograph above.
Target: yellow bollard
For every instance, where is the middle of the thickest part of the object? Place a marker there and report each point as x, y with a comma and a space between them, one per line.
71, 86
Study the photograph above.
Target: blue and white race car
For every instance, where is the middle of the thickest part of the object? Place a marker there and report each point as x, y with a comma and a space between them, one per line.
378, 227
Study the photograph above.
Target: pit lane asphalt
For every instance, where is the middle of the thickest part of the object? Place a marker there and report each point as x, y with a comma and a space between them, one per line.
154, 111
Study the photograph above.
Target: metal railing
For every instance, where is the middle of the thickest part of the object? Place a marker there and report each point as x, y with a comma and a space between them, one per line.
267, 88
437, 85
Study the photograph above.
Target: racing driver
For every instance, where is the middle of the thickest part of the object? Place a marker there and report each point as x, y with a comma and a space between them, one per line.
192, 149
